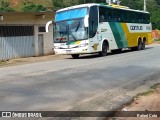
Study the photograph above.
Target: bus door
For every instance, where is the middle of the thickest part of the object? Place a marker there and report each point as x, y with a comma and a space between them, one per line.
93, 30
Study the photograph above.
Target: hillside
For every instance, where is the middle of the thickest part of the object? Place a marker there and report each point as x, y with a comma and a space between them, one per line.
153, 6
17, 4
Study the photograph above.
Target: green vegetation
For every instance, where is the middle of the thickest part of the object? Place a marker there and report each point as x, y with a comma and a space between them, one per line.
157, 40
2, 62
153, 6
4, 7
149, 92
146, 93
33, 8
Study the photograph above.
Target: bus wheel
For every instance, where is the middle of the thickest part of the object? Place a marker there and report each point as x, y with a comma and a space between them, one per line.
104, 49
75, 56
143, 45
139, 47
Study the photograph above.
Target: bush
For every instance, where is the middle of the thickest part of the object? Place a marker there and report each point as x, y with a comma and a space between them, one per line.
6, 9
33, 8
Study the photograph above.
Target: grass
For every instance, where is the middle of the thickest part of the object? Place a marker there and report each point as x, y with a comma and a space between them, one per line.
156, 40
149, 92
2, 62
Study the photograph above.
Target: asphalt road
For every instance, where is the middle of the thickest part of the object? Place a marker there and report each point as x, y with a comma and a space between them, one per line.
64, 84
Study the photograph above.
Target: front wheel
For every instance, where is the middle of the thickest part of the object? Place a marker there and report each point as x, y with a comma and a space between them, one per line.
104, 49
75, 56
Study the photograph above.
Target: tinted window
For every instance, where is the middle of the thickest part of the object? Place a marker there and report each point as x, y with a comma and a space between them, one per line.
119, 15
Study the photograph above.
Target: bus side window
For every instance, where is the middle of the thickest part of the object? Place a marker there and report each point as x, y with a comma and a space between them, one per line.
93, 21
123, 16
147, 18
102, 14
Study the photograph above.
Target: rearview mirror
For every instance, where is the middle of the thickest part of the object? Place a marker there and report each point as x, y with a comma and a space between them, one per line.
47, 25
86, 21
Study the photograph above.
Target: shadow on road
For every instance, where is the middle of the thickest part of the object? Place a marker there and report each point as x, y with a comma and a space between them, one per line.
96, 55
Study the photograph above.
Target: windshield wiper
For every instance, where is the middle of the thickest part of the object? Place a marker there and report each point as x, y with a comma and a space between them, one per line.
78, 26
70, 32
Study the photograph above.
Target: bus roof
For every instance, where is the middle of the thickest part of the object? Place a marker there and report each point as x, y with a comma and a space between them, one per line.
103, 5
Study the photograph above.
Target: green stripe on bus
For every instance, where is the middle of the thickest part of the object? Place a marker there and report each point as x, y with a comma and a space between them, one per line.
116, 34
122, 35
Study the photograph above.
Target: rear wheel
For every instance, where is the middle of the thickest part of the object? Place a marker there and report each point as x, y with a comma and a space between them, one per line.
139, 47
104, 49
75, 56
143, 45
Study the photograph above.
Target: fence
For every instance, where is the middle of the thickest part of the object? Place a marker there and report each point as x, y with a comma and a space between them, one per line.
16, 41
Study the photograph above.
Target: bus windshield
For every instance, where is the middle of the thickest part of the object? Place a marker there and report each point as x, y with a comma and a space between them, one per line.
69, 25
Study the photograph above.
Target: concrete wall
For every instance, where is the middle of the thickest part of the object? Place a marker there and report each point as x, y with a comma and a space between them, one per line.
35, 19
48, 40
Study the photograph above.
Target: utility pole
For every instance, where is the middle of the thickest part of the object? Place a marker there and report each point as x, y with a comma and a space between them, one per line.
109, 2
118, 2
145, 8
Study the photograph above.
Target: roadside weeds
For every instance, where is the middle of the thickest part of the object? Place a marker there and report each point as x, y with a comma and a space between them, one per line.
145, 101
28, 60
156, 41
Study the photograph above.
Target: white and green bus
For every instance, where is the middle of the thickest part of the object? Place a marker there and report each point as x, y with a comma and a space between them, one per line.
99, 28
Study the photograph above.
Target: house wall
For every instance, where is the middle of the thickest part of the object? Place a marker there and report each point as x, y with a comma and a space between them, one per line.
32, 19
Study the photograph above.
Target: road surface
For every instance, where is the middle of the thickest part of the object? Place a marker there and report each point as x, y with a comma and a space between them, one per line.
67, 83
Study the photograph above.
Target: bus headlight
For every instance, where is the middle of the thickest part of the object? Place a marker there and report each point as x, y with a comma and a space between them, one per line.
56, 47
83, 45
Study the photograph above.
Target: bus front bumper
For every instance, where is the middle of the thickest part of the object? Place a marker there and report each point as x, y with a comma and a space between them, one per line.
82, 50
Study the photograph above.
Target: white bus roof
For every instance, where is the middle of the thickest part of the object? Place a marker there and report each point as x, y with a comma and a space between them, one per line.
78, 6
109, 6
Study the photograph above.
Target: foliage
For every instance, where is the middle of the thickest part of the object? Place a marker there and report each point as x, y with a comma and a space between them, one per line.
4, 4
58, 4
33, 8
4, 7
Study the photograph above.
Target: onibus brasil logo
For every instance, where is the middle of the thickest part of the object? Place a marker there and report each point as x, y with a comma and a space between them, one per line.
21, 114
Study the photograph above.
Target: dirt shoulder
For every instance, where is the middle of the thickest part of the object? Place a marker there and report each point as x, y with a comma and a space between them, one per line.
20, 61
147, 101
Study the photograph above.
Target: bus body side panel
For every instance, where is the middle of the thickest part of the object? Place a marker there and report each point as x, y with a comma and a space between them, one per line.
119, 34
133, 35
149, 40
106, 33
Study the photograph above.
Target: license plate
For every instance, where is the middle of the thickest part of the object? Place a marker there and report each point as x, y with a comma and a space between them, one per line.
68, 51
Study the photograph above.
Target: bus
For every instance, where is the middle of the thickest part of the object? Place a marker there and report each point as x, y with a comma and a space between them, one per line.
99, 28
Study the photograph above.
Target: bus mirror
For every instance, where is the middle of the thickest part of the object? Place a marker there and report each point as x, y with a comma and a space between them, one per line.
86, 21
47, 25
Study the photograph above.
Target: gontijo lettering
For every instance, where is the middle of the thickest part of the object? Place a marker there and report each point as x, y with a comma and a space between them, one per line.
136, 27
